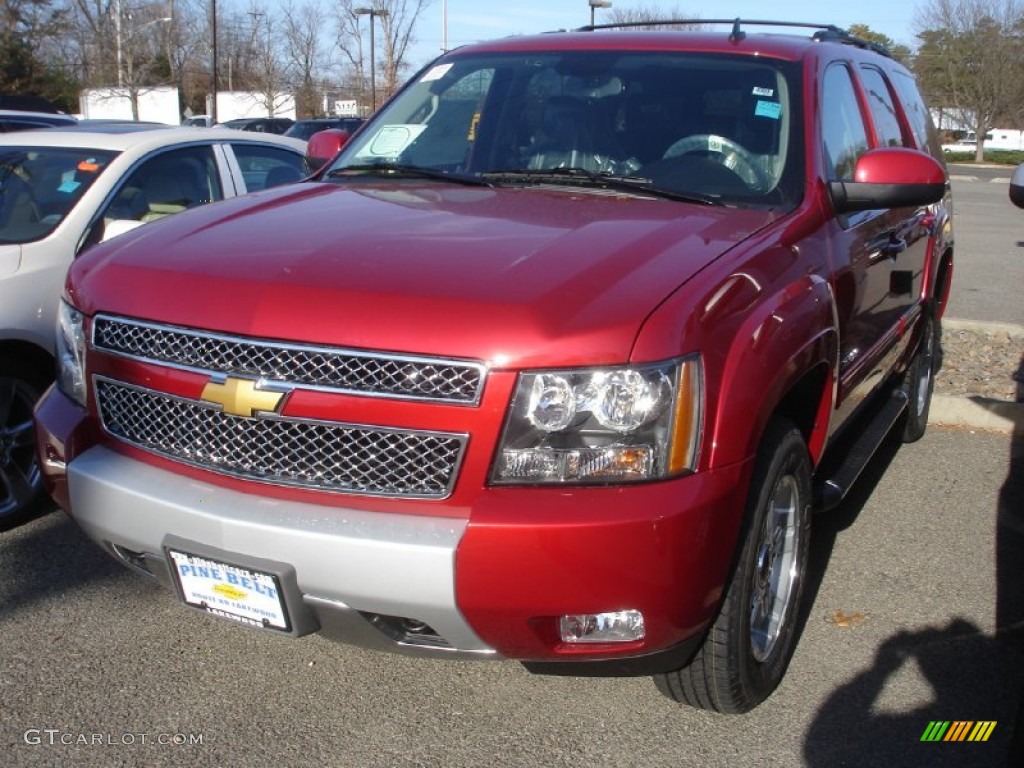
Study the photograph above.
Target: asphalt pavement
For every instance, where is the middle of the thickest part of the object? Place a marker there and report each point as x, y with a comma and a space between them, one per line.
915, 617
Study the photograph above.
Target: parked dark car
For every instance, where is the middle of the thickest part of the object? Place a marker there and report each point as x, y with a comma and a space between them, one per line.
259, 124
303, 129
18, 120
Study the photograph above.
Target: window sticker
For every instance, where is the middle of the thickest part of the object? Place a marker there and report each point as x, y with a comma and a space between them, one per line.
436, 73
68, 186
770, 109
758, 91
391, 140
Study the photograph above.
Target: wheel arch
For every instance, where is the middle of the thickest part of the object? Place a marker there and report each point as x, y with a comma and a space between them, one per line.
792, 360
939, 287
38, 358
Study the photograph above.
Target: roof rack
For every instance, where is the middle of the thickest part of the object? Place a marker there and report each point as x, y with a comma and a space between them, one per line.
824, 33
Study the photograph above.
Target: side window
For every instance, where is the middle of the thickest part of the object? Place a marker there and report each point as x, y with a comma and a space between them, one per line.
842, 124
913, 105
167, 183
883, 110
264, 167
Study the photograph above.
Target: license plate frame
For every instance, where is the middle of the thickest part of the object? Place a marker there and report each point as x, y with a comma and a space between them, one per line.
226, 589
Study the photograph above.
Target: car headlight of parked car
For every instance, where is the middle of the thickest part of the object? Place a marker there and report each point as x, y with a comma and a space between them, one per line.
71, 352
598, 425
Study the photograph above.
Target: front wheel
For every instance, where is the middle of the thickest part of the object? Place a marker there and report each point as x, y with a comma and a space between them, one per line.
748, 648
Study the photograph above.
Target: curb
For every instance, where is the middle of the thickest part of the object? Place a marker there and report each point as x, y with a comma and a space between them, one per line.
975, 411
977, 326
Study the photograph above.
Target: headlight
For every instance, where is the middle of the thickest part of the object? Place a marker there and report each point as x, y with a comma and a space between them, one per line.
602, 425
71, 352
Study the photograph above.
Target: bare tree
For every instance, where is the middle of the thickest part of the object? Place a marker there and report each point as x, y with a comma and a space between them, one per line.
398, 26
268, 79
969, 60
394, 35
121, 43
304, 53
350, 44
648, 16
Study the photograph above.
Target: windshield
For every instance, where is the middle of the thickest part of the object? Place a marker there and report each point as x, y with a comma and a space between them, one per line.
40, 185
701, 126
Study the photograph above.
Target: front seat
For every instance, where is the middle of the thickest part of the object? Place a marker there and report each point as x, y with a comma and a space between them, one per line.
564, 138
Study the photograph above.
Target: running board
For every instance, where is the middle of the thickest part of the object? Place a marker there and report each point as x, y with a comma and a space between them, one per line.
832, 489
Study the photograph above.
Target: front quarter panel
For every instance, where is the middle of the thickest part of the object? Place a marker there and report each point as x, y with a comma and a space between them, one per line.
760, 323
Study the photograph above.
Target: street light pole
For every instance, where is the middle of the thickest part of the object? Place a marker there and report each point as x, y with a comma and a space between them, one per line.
372, 13
594, 4
120, 44
213, 55
121, 36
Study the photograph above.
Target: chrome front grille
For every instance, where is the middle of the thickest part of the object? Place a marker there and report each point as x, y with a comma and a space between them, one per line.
318, 455
313, 367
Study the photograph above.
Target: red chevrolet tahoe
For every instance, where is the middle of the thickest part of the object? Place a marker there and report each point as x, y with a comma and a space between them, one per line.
552, 362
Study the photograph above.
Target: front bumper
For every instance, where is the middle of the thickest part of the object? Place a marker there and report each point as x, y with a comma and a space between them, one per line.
490, 584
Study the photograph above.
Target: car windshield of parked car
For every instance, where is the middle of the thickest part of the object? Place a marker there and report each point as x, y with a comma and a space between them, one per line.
721, 128
39, 186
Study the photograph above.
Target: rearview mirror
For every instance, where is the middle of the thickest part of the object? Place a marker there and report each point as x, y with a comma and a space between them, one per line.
1017, 186
324, 145
890, 177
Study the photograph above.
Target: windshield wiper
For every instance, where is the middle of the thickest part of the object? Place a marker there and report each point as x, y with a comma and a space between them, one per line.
603, 179
407, 171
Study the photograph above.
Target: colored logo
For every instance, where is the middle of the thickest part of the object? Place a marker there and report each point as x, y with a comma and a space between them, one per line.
230, 592
958, 730
241, 397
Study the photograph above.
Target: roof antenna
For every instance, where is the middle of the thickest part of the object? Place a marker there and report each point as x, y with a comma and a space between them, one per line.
737, 34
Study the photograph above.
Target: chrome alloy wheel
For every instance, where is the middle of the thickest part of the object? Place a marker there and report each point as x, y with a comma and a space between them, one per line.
776, 573
20, 478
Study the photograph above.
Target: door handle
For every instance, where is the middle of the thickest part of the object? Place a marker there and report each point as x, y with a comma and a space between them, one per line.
887, 246
894, 247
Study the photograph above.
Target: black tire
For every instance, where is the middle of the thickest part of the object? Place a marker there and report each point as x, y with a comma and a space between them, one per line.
748, 648
919, 380
21, 482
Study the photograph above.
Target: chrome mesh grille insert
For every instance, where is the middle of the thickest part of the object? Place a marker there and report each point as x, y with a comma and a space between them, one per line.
310, 454
327, 368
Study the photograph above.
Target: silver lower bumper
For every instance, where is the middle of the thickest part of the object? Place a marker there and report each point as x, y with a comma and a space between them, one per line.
352, 567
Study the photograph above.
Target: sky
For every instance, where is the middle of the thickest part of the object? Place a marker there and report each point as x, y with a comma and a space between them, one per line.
473, 20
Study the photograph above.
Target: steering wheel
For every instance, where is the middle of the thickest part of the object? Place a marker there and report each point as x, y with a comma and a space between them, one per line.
733, 156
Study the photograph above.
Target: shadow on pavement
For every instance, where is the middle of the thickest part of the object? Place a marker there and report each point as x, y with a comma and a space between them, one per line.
967, 671
46, 558
1010, 568
973, 676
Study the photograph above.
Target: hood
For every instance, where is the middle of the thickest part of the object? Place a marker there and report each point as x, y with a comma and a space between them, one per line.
511, 276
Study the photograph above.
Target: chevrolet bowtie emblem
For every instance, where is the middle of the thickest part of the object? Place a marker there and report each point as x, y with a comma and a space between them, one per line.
241, 397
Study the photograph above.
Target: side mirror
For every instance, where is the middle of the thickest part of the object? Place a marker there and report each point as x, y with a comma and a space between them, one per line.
1017, 186
119, 227
890, 177
324, 145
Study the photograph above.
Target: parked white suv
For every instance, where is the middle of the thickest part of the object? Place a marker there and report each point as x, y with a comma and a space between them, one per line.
62, 190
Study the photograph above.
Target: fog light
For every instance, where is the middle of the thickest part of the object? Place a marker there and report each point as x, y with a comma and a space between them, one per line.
611, 627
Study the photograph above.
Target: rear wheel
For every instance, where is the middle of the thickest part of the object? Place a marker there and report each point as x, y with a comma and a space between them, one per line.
21, 482
748, 648
919, 380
